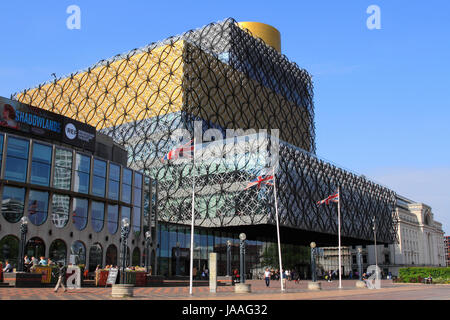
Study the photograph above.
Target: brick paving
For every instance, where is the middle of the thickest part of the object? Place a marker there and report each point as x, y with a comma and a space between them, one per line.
388, 291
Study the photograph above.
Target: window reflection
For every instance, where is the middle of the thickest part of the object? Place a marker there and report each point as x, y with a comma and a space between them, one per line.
82, 170
16, 159
126, 213
37, 207
58, 251
63, 169
99, 178
41, 164
137, 200
126, 185
60, 210
98, 215
80, 212
113, 218
77, 253
13, 202
114, 178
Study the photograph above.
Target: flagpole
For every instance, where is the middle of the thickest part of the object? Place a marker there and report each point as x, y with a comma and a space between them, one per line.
339, 235
278, 227
192, 223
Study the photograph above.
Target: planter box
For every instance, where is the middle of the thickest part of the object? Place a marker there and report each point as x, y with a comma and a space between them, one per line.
154, 281
23, 279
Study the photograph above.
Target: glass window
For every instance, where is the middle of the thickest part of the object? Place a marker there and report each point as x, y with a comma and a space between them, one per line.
126, 213
111, 255
97, 216
35, 248
13, 202
1, 149
114, 179
82, 170
60, 210
41, 162
9, 250
80, 212
63, 169
77, 253
113, 218
137, 220
95, 256
58, 251
138, 180
17, 159
147, 217
99, 178
137, 200
136, 257
126, 185
37, 207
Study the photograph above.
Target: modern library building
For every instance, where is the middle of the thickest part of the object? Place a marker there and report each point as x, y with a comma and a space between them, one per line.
104, 158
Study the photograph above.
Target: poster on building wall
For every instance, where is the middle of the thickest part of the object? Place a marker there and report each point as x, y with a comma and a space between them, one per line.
39, 122
18, 116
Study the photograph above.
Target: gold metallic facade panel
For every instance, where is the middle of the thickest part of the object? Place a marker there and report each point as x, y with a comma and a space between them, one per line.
139, 86
267, 33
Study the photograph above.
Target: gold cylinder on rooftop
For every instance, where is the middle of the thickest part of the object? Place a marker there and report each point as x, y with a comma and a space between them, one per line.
267, 33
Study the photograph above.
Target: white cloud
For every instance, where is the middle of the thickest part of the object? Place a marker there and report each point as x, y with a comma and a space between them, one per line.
429, 186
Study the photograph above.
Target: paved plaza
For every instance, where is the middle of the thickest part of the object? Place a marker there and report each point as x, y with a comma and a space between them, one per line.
388, 291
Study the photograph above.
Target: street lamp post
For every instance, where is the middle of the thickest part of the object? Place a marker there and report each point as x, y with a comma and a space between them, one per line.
359, 256
375, 241
23, 238
124, 231
313, 262
148, 239
177, 259
228, 258
242, 237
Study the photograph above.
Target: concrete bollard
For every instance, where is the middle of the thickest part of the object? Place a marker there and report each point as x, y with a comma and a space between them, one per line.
314, 285
242, 288
122, 290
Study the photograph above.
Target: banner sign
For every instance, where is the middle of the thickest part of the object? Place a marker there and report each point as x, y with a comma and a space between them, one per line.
42, 123
112, 276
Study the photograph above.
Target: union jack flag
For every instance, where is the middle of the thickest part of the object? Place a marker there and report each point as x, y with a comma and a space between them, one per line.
185, 151
333, 198
266, 179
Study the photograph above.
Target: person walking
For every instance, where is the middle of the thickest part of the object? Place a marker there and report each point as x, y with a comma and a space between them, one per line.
267, 275
61, 277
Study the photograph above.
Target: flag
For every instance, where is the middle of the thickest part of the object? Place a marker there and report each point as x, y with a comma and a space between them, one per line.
266, 179
333, 198
185, 151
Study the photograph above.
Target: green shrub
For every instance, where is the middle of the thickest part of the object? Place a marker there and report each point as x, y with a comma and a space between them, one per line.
413, 274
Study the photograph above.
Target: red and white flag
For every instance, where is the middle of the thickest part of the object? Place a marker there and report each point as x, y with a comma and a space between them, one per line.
333, 198
185, 151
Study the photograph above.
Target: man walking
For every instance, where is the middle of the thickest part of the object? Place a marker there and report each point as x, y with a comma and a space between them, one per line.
267, 276
61, 277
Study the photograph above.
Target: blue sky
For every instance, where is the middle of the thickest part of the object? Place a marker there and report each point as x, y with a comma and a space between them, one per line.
382, 97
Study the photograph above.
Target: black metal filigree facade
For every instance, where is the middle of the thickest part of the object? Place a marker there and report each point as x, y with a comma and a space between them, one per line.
225, 79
